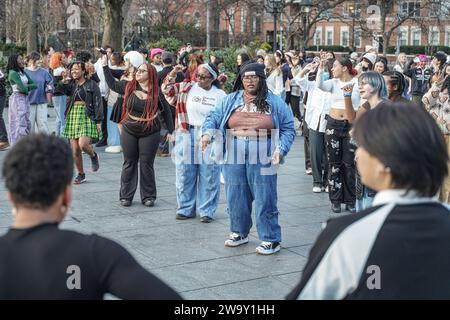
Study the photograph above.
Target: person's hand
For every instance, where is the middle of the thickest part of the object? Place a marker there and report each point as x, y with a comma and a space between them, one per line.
170, 138
104, 60
204, 141
276, 158
99, 127
348, 89
323, 60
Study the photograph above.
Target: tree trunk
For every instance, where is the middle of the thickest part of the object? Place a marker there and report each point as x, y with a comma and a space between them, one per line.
113, 24
32, 27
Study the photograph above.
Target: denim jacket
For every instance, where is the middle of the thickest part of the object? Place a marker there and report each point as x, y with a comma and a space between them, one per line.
282, 118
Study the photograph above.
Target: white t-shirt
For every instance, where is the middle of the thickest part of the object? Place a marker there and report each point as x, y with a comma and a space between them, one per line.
200, 102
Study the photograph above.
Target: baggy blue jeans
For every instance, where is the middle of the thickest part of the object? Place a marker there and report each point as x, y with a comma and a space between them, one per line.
248, 179
197, 178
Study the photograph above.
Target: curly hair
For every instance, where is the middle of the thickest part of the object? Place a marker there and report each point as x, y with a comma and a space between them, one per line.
37, 170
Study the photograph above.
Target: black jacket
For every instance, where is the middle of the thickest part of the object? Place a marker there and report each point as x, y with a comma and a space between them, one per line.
94, 102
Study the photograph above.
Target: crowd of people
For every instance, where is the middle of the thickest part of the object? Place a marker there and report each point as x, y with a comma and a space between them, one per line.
348, 108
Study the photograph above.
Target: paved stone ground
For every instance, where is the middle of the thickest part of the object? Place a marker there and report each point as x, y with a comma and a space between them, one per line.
190, 255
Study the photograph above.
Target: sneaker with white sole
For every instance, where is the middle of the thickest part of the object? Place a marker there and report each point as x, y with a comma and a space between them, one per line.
113, 149
268, 247
317, 189
308, 171
326, 189
235, 240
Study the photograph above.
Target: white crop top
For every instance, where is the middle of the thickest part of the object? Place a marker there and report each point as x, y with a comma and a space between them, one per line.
334, 86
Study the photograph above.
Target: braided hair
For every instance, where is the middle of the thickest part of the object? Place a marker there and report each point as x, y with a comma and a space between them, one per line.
397, 79
261, 95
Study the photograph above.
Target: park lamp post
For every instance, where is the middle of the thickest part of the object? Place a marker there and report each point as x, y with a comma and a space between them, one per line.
274, 7
305, 7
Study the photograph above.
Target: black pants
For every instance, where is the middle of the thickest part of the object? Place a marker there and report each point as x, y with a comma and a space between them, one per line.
295, 106
305, 132
3, 132
341, 162
319, 163
104, 137
140, 150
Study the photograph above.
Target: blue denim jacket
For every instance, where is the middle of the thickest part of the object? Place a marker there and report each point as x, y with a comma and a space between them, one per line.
282, 118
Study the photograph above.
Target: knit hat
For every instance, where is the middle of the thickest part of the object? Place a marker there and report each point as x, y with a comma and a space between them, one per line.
155, 51
253, 69
135, 58
422, 57
167, 57
371, 57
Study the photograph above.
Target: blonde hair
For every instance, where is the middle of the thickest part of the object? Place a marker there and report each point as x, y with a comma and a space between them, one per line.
273, 67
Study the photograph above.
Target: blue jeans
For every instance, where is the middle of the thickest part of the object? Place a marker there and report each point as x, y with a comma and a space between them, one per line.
59, 103
197, 182
365, 202
113, 130
248, 182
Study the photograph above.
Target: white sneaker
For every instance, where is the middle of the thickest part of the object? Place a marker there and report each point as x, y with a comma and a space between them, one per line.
113, 149
268, 247
235, 240
326, 189
317, 189
308, 171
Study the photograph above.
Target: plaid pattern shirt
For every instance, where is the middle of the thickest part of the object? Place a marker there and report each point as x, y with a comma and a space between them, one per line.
180, 91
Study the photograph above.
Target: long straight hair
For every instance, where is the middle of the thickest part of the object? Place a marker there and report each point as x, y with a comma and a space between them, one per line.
151, 103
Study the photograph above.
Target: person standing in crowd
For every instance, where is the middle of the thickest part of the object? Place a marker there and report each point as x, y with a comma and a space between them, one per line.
42, 96
395, 82
259, 59
367, 63
46, 56
281, 62
252, 122
438, 64
140, 134
155, 55
372, 88
241, 59
274, 76
4, 144
420, 75
108, 50
407, 231
197, 177
84, 116
58, 61
144, 52
295, 91
381, 65
167, 60
19, 105
194, 61
401, 62
340, 151
36, 254
436, 102
318, 106
117, 69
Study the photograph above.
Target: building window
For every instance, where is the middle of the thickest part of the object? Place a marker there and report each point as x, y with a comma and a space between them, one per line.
403, 36
344, 36
357, 39
352, 10
330, 36
433, 36
243, 20
415, 37
410, 8
447, 36
318, 37
231, 21
255, 24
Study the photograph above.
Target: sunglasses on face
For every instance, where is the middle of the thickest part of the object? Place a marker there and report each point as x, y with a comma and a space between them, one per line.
202, 77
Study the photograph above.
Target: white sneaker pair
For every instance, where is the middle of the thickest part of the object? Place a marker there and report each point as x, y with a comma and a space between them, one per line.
113, 149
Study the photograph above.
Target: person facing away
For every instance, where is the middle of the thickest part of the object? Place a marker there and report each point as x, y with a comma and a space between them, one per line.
398, 248
41, 261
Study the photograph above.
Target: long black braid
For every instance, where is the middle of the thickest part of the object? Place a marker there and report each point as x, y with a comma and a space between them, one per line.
261, 95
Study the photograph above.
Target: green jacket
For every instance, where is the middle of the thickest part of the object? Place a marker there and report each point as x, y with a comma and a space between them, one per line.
14, 79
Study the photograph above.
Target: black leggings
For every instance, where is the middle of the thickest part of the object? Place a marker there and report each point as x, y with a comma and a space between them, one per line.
341, 162
140, 150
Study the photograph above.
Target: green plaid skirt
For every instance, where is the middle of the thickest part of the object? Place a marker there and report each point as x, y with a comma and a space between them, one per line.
78, 124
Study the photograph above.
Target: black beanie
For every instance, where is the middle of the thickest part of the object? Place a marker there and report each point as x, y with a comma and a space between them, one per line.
253, 69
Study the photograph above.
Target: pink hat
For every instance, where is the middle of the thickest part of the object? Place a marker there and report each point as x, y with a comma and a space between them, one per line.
155, 51
423, 57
